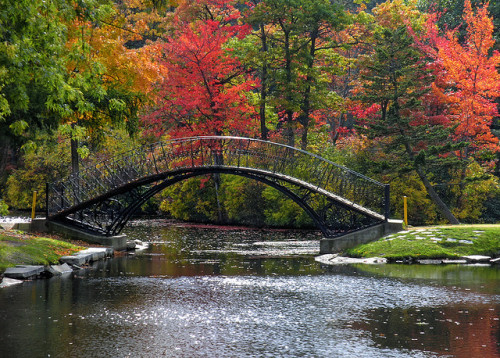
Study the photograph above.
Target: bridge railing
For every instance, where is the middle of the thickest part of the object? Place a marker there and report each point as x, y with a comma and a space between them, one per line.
212, 152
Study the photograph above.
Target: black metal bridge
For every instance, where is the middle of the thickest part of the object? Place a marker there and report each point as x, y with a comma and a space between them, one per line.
102, 198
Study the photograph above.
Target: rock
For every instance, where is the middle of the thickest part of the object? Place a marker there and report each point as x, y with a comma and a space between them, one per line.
8, 226
333, 259
454, 261
6, 282
140, 245
58, 270
468, 242
430, 262
476, 258
96, 253
131, 245
88, 255
77, 259
23, 272
495, 261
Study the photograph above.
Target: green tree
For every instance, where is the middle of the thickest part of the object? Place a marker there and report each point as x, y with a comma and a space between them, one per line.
53, 72
32, 70
296, 46
395, 78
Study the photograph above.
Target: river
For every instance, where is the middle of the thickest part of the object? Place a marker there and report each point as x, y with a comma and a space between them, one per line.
207, 292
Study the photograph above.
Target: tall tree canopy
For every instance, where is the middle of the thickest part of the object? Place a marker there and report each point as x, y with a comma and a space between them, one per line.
205, 87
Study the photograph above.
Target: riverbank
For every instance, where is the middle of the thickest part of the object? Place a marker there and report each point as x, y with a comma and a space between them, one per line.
437, 242
21, 248
413, 245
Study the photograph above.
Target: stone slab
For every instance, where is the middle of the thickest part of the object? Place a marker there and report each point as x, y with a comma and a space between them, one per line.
7, 226
495, 261
95, 253
77, 259
58, 270
333, 259
6, 282
477, 258
430, 262
452, 261
23, 272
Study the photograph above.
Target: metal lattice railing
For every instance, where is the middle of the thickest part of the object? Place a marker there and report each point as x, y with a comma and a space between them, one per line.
184, 154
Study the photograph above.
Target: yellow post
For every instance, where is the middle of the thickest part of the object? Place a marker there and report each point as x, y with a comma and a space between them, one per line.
33, 205
405, 205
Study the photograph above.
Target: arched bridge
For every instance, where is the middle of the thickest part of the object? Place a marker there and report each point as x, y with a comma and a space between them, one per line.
102, 198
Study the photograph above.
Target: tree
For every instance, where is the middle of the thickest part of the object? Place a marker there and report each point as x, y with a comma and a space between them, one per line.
205, 86
57, 70
469, 79
396, 78
296, 42
467, 85
32, 70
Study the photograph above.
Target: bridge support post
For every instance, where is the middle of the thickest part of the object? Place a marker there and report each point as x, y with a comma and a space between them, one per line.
353, 239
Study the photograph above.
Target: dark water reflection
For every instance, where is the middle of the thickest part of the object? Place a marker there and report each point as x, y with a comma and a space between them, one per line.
203, 293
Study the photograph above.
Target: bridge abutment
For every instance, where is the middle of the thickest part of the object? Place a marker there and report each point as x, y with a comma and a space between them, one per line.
118, 242
338, 244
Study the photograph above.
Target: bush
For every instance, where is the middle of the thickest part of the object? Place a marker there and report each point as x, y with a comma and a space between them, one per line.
191, 200
4, 208
48, 162
243, 200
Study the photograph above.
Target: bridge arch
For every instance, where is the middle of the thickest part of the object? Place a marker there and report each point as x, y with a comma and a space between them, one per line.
102, 198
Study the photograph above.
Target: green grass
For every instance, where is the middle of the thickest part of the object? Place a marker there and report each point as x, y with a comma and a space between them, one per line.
18, 249
434, 243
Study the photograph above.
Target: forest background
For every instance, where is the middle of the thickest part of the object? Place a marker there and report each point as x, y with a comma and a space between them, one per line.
405, 92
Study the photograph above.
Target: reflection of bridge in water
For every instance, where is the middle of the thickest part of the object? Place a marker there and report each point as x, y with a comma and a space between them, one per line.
102, 198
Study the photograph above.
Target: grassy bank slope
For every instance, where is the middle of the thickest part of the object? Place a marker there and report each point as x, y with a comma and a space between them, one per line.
434, 242
22, 249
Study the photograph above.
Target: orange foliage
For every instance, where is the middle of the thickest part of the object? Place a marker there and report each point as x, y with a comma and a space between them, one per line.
467, 78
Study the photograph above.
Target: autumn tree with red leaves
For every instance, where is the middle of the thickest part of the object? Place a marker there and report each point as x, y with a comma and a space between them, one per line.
466, 86
468, 81
205, 86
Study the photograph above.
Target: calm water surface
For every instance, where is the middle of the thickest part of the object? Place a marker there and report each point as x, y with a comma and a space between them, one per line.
201, 292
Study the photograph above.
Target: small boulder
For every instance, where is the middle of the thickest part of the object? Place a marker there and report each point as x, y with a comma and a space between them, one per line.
6, 282
477, 258
495, 261
453, 261
58, 270
430, 262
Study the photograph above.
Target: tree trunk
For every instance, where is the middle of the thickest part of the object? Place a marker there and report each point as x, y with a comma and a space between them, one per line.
4, 156
442, 207
75, 157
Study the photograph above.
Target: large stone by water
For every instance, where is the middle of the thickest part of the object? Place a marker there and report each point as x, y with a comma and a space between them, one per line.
97, 253
477, 258
88, 255
6, 282
495, 261
58, 270
23, 272
334, 259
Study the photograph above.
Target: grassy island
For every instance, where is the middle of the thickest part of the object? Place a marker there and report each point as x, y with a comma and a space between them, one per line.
434, 243
19, 248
